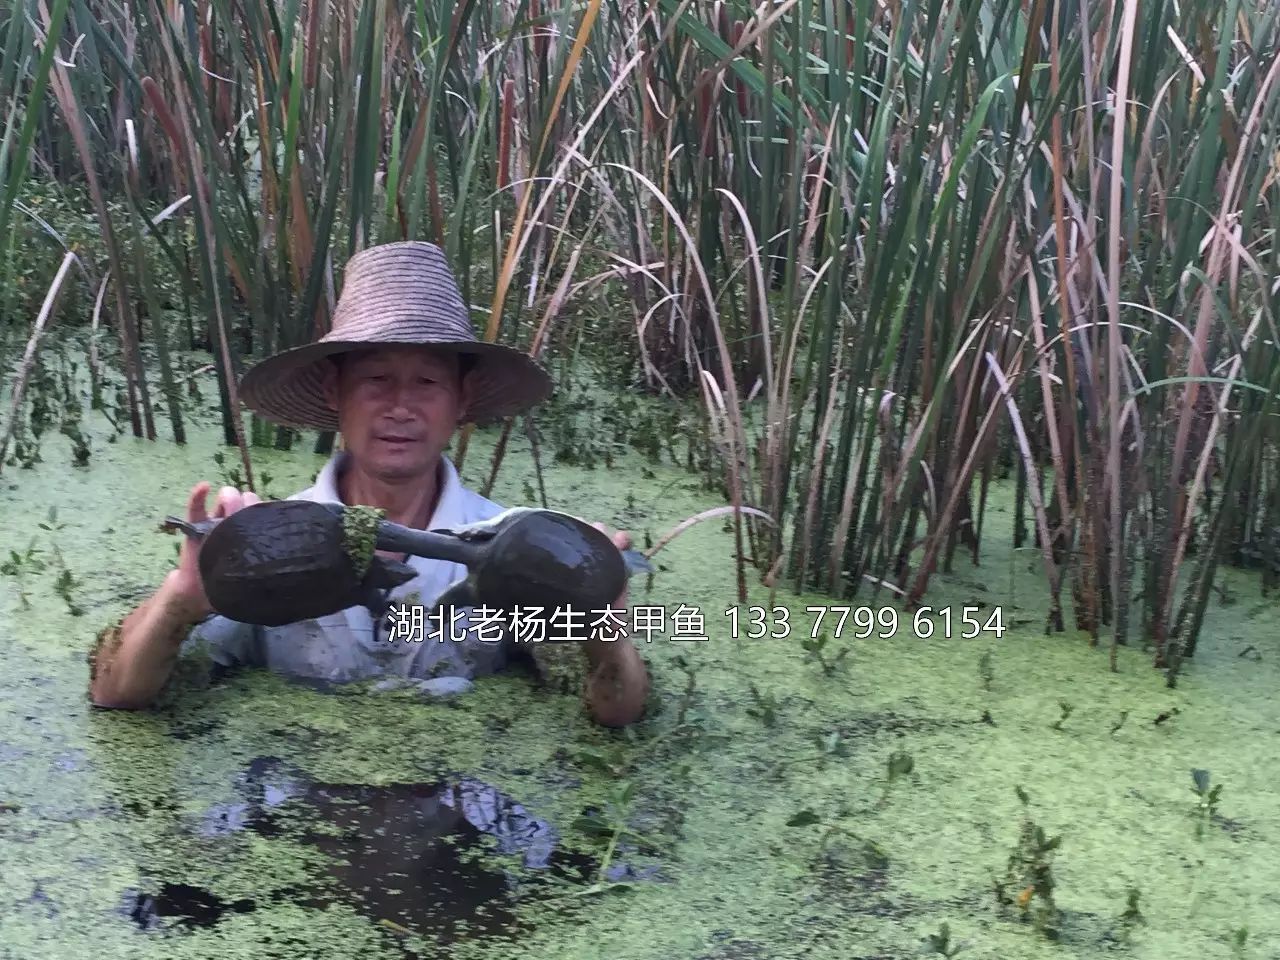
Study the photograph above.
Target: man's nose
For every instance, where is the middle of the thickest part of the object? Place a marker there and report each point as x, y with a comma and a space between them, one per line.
401, 408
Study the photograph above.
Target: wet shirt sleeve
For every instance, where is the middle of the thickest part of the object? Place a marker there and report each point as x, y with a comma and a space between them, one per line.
227, 643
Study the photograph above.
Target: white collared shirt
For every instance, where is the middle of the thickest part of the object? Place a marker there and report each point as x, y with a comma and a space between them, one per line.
343, 646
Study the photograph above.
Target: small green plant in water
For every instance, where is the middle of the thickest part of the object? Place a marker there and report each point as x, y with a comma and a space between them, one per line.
1238, 940
612, 823
230, 476
79, 443
766, 708
690, 688
1124, 715
900, 764
20, 566
360, 535
1207, 807
1067, 709
1131, 913
814, 646
51, 524
65, 586
940, 943
831, 746
1029, 872
986, 673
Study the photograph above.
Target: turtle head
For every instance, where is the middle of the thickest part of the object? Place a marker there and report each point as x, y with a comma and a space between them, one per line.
487, 529
385, 574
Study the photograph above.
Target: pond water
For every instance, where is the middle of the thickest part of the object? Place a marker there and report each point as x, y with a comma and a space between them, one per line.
250, 816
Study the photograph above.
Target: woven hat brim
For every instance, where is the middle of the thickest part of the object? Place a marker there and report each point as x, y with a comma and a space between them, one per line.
288, 388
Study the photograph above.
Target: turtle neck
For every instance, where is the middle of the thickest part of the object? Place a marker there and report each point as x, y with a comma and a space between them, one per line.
445, 504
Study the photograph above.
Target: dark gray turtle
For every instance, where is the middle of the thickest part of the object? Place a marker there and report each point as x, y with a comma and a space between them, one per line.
525, 557
277, 562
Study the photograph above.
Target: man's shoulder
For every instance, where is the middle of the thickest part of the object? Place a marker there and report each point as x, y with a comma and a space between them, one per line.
479, 508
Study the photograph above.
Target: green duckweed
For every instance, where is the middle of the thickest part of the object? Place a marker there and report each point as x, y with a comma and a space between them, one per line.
360, 534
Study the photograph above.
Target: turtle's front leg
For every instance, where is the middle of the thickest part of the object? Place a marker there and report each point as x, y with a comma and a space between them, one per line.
197, 531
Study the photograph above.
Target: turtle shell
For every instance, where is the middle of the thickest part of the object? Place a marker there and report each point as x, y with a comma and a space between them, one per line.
277, 562
547, 559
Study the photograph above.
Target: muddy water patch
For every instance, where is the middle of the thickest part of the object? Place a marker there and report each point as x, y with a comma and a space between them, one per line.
441, 860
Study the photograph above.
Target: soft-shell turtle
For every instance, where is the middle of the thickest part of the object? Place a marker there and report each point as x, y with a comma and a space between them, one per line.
284, 560
277, 562
539, 558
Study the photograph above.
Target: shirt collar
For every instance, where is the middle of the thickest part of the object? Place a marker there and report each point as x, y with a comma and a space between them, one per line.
450, 505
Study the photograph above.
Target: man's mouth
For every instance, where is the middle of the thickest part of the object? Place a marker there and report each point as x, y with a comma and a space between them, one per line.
395, 438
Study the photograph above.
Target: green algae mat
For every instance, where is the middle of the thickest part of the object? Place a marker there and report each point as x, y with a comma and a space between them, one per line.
885, 796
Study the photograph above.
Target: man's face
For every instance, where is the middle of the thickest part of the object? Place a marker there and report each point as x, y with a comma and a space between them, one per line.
397, 408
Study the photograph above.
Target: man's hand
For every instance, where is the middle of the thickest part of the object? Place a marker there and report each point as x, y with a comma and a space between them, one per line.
622, 540
183, 586
619, 683
132, 663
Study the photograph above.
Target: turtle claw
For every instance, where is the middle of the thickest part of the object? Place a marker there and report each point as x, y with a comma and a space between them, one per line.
195, 530
637, 562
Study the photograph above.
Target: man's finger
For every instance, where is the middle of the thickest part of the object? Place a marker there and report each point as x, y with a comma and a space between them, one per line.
196, 509
249, 499
228, 501
622, 540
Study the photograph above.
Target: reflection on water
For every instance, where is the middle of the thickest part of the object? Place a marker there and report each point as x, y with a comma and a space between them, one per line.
185, 904
403, 853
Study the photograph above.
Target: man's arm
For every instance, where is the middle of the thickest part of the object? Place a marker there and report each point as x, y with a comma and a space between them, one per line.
618, 683
133, 662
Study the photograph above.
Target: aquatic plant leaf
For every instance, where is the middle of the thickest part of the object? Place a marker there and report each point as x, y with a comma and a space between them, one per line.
594, 760
592, 826
900, 764
803, 819
1201, 779
601, 888
625, 792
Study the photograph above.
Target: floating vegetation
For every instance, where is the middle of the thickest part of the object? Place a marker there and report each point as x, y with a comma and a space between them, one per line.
940, 942
813, 646
1124, 715
66, 586
360, 535
900, 764
1066, 710
986, 672
1207, 806
20, 566
610, 823
1239, 938
766, 707
1029, 872
1132, 914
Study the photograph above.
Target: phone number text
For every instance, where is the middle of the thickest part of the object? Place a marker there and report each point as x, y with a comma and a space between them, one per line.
859, 623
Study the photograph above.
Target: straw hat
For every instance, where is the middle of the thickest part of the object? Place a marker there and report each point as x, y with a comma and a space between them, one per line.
394, 293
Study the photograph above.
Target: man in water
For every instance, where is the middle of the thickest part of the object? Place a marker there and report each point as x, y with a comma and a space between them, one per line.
400, 370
